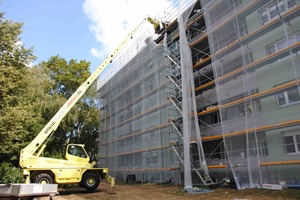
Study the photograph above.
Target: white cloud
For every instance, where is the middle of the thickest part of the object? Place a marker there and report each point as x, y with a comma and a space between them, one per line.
18, 45
96, 53
112, 20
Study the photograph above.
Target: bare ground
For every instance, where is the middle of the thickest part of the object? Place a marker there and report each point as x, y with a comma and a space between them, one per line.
170, 192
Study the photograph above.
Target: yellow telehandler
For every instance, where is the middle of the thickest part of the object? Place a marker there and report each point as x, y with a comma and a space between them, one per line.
76, 167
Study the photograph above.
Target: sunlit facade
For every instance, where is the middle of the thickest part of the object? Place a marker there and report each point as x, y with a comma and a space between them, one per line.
241, 89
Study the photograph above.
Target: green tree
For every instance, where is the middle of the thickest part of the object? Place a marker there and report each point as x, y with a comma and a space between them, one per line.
87, 125
16, 116
68, 76
80, 125
43, 103
10, 174
30, 97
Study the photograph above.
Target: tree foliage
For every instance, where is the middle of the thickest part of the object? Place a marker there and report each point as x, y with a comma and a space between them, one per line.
30, 97
15, 111
10, 174
68, 76
80, 125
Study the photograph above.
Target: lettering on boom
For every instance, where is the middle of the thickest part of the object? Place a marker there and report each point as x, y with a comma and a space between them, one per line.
74, 98
49, 127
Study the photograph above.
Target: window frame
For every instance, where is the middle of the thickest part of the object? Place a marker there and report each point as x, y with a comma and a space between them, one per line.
151, 136
250, 108
215, 118
152, 158
78, 151
285, 4
287, 98
290, 41
294, 133
152, 101
150, 84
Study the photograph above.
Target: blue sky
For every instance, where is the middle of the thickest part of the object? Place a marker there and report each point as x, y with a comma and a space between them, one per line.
77, 29
54, 27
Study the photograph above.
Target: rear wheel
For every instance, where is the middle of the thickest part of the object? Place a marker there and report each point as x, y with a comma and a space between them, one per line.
90, 181
43, 178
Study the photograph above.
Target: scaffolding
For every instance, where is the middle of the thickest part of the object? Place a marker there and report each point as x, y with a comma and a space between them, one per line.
215, 96
134, 138
254, 51
182, 112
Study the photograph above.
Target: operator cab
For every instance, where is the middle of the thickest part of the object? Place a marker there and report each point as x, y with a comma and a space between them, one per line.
77, 152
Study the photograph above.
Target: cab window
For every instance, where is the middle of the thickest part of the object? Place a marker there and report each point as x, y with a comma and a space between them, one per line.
77, 151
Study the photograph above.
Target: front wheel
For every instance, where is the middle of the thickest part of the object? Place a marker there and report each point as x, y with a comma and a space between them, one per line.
43, 178
90, 181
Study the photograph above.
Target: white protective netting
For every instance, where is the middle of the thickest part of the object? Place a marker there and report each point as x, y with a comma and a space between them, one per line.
134, 140
255, 49
189, 107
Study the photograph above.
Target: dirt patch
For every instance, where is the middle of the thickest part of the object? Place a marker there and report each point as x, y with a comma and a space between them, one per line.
170, 192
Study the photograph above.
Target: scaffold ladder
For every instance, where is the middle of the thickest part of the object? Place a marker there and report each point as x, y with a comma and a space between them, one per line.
177, 125
201, 172
174, 94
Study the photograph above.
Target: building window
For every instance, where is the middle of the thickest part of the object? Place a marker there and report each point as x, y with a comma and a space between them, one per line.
291, 141
137, 109
136, 91
215, 118
274, 10
150, 84
151, 120
149, 66
258, 144
283, 44
151, 136
151, 158
246, 109
289, 97
271, 49
152, 101
214, 150
129, 140
250, 108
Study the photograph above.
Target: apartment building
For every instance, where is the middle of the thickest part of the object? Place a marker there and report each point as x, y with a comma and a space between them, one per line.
216, 94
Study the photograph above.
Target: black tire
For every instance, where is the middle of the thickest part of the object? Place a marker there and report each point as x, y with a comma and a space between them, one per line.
43, 178
90, 181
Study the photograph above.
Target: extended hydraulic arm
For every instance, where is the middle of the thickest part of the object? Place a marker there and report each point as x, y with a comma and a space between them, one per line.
39, 141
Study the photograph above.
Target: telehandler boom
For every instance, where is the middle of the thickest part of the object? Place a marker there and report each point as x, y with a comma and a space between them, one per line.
76, 167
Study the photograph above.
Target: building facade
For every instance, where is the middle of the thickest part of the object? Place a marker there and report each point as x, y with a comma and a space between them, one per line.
215, 95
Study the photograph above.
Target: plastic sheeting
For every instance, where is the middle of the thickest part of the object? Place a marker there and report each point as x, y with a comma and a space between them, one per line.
189, 107
134, 139
255, 49
247, 96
